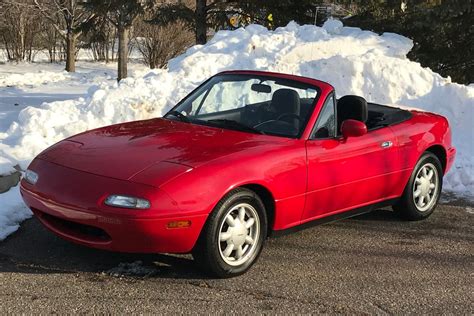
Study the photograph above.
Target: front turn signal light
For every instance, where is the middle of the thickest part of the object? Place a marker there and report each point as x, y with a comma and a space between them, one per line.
178, 224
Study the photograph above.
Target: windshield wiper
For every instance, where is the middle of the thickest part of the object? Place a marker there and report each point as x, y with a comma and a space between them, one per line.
236, 125
180, 116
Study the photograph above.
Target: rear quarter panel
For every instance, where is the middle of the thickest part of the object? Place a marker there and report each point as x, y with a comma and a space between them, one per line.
422, 132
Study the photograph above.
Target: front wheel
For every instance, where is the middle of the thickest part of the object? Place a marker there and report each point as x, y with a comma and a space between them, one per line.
423, 190
233, 236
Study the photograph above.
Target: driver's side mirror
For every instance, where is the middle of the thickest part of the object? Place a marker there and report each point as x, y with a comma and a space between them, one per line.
353, 128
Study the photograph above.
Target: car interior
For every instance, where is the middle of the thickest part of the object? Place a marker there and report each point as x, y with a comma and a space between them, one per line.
373, 115
283, 107
286, 111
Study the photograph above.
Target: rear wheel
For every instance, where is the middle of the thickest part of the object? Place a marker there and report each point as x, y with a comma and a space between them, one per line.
423, 190
233, 236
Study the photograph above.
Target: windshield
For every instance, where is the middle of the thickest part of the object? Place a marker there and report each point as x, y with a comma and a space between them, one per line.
250, 103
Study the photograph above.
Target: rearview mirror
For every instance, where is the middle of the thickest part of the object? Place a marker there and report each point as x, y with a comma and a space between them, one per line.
353, 128
258, 87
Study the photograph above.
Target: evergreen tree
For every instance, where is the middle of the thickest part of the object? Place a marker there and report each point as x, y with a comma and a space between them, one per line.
442, 31
206, 14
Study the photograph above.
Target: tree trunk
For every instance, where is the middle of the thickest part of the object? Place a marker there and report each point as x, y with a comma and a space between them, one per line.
123, 52
201, 23
22, 34
112, 51
70, 53
106, 51
5, 41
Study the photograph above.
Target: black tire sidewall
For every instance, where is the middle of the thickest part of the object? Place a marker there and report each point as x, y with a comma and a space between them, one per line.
407, 207
209, 243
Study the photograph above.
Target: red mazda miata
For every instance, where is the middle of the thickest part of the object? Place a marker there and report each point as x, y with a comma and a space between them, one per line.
246, 155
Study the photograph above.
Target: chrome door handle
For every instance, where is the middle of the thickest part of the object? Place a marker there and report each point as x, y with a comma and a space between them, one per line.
386, 144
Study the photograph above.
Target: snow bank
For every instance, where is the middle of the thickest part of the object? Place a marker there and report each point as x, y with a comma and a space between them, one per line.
32, 78
6, 166
12, 212
352, 60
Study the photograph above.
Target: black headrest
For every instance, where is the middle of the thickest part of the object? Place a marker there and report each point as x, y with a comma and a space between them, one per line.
286, 101
351, 107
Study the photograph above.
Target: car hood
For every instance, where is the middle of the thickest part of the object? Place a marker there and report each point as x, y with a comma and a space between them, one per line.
124, 150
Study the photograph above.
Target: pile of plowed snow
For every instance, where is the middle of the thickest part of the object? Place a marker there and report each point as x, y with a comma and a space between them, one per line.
31, 79
353, 61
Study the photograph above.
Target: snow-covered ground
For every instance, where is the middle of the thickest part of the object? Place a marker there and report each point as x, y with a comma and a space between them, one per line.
353, 61
36, 85
30, 85
12, 212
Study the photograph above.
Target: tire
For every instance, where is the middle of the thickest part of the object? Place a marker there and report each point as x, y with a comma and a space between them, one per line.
422, 192
224, 250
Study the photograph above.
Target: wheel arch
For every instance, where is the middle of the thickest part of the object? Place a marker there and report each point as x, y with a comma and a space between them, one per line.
268, 201
440, 152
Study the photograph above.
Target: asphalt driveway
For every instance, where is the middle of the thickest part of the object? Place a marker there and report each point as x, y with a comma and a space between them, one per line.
373, 263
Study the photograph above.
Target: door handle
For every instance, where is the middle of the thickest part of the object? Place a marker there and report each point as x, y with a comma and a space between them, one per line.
386, 144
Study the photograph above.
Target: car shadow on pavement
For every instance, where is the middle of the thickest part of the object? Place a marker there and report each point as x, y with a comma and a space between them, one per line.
384, 215
33, 249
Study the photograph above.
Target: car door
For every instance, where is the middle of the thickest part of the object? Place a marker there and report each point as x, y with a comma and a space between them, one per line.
347, 173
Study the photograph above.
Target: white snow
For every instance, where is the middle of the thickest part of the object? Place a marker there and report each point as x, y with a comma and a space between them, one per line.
12, 212
25, 87
352, 60
6, 166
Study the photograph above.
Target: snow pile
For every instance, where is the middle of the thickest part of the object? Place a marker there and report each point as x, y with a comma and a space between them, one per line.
32, 78
353, 61
6, 166
12, 212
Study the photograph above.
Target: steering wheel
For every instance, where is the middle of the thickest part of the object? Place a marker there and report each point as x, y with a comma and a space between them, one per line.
266, 123
280, 119
279, 127
289, 115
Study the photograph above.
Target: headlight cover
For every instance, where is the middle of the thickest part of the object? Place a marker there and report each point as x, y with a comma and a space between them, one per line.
127, 202
31, 176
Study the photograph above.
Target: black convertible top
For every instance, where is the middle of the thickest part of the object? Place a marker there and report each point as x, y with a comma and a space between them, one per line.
383, 115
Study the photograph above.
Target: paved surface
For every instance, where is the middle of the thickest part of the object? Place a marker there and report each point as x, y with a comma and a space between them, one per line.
371, 264
6, 182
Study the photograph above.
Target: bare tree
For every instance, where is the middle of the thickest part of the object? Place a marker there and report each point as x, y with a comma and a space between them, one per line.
66, 16
49, 40
122, 14
18, 26
158, 43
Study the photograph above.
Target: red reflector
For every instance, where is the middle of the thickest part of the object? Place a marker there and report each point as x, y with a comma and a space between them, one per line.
179, 224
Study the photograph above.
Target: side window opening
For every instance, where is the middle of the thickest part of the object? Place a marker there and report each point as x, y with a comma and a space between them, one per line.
326, 123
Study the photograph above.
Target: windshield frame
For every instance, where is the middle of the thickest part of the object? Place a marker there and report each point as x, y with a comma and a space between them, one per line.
252, 75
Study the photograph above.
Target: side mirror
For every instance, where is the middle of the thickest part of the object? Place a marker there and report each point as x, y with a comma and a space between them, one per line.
353, 128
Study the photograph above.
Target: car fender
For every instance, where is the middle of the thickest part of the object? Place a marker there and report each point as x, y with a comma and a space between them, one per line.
280, 170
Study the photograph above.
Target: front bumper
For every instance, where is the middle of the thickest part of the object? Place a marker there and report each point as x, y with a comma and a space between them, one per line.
149, 235
69, 203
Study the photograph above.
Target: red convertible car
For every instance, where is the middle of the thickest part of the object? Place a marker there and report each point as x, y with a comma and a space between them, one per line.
246, 155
